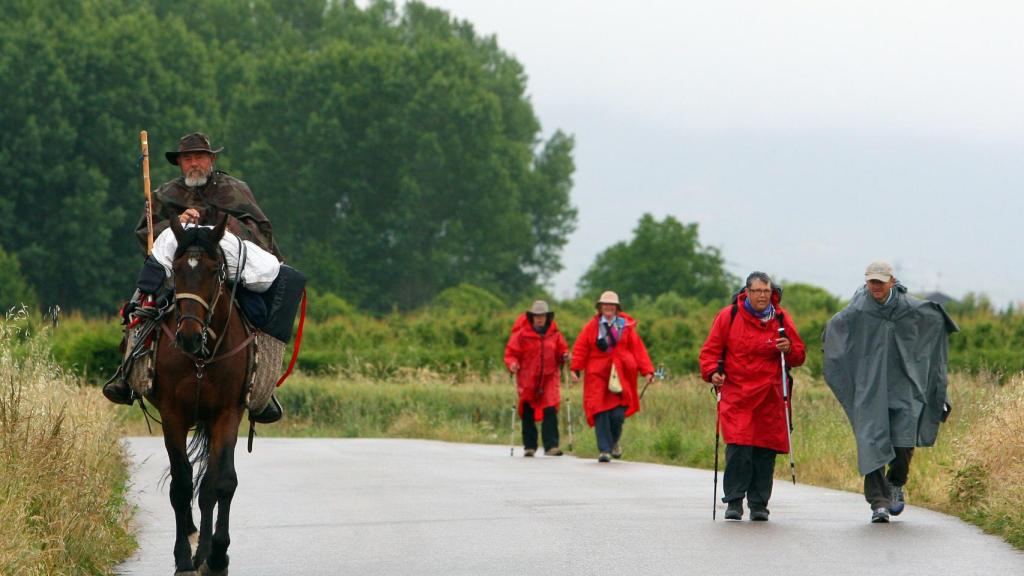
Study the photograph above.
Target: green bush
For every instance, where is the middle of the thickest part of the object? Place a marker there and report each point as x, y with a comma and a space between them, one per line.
88, 347
326, 305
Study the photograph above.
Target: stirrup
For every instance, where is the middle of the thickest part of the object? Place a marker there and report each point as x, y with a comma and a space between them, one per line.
271, 413
117, 391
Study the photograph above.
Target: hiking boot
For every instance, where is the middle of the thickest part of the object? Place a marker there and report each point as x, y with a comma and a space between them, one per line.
556, 451
271, 413
880, 516
735, 510
604, 457
897, 500
529, 452
759, 514
118, 391
616, 451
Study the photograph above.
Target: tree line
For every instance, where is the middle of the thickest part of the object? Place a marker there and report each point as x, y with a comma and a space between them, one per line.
395, 150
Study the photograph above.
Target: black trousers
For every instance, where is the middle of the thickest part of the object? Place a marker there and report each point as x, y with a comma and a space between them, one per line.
749, 472
876, 484
608, 427
548, 428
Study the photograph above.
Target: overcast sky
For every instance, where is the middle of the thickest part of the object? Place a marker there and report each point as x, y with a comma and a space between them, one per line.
807, 138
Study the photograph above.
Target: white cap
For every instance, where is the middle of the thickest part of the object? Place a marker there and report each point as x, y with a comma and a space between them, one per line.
881, 271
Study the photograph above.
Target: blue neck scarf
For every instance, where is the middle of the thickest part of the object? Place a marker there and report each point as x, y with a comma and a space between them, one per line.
762, 315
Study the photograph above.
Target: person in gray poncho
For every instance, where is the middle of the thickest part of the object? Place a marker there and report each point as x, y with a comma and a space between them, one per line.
885, 360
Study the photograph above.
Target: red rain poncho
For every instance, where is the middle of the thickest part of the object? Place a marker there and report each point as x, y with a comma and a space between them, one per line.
539, 357
630, 359
752, 410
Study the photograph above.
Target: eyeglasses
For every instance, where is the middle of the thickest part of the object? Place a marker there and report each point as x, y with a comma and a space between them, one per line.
761, 291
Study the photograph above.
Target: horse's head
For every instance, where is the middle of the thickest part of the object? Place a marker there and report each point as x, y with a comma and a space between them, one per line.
199, 272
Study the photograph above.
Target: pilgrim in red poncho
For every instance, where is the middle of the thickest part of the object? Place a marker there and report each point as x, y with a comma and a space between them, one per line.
610, 341
535, 352
742, 358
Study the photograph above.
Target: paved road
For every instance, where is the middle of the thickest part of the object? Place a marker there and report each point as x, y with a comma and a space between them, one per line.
403, 507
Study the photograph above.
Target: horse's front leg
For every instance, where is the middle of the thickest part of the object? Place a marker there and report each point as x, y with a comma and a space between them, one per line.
181, 492
218, 487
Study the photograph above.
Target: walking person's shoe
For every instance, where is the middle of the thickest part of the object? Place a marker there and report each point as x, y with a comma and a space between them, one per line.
735, 510
556, 451
529, 452
880, 516
897, 500
759, 514
604, 457
616, 451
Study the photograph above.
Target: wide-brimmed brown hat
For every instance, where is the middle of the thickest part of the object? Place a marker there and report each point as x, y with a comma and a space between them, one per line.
194, 142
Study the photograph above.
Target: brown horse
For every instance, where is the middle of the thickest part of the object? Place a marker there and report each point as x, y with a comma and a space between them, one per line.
200, 382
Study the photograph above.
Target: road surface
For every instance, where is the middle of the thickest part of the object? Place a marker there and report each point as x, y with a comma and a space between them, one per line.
406, 507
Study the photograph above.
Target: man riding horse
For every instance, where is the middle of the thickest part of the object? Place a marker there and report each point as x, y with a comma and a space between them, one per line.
202, 195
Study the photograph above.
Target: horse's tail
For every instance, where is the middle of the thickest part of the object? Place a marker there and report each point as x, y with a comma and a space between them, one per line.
199, 455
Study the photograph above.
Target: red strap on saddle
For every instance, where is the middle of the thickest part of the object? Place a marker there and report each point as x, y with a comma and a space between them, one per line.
298, 341
148, 302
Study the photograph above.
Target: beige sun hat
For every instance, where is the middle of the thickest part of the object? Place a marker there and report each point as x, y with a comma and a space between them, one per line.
609, 297
539, 307
881, 271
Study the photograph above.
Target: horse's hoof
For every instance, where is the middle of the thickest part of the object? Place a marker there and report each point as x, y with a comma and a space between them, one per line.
186, 573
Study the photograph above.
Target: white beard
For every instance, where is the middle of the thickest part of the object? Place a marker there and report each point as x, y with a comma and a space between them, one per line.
195, 181
197, 178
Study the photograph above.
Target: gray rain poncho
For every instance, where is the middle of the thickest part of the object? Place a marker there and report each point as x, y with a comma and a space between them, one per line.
886, 364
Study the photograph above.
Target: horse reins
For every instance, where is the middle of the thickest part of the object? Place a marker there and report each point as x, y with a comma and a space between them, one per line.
207, 331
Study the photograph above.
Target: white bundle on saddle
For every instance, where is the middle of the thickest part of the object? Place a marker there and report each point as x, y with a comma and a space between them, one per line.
258, 273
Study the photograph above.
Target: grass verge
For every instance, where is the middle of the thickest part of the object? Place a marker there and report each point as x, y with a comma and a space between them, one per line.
62, 472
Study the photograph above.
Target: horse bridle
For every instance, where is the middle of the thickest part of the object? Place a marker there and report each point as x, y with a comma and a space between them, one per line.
207, 331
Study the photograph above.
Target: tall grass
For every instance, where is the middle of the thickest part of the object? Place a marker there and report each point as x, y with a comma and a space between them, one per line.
988, 485
62, 472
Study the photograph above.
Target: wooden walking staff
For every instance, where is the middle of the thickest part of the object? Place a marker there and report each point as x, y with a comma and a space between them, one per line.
149, 196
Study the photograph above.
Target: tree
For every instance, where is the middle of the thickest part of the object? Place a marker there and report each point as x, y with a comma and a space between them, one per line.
80, 79
662, 257
14, 291
801, 299
411, 160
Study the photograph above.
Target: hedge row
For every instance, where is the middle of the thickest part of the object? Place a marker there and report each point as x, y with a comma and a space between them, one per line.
465, 329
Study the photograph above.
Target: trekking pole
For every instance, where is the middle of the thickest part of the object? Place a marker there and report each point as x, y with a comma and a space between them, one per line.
785, 408
659, 374
512, 433
718, 436
568, 405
